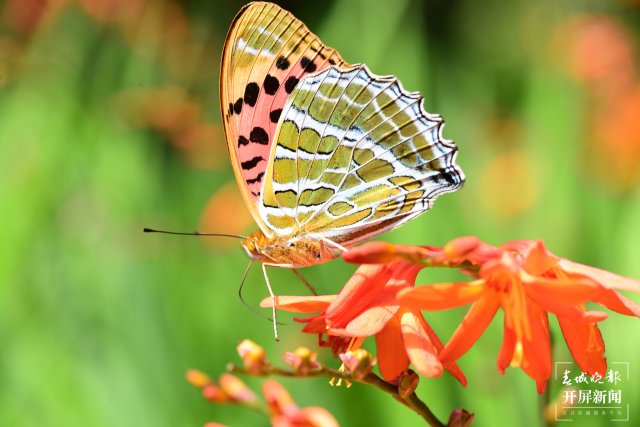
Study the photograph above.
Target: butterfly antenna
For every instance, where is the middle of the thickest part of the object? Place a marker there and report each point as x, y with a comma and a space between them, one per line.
253, 310
195, 233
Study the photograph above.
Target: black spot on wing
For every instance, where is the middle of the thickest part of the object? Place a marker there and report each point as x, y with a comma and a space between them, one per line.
255, 180
291, 84
251, 94
230, 112
259, 135
452, 177
237, 107
271, 85
242, 141
274, 116
282, 63
250, 164
308, 65
319, 51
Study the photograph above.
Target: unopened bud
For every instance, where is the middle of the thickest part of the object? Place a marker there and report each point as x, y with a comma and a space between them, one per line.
236, 389
277, 397
384, 252
302, 360
253, 356
358, 363
462, 246
198, 379
214, 394
407, 383
460, 418
370, 253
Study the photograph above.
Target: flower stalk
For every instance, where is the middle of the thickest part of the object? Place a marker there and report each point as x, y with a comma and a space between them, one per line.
411, 401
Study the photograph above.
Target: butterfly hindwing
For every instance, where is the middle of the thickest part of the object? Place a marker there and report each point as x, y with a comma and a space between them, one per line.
267, 53
354, 155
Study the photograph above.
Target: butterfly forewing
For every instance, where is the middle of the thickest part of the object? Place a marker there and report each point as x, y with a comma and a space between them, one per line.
267, 53
354, 155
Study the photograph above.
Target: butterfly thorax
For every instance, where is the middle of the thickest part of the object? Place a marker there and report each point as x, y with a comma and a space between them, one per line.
291, 251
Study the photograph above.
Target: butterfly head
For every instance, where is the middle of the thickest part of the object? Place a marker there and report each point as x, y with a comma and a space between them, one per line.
253, 245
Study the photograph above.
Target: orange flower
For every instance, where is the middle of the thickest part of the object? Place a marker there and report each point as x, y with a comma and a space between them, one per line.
366, 306
285, 412
526, 281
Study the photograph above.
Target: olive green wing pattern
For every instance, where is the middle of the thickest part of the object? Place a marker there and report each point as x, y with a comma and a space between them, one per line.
354, 155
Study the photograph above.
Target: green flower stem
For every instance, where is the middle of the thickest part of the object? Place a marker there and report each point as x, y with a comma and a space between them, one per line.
412, 401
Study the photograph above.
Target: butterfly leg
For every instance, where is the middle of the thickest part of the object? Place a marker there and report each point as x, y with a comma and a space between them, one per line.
273, 302
306, 283
333, 244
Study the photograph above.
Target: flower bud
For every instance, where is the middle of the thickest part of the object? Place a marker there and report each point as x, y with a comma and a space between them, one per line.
460, 418
253, 356
371, 253
358, 363
214, 394
461, 246
277, 397
198, 379
236, 389
302, 360
383, 252
407, 383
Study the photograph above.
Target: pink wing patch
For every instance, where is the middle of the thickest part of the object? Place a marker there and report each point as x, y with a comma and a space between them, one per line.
258, 122
268, 52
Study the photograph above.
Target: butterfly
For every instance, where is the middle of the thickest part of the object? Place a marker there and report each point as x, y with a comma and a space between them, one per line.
326, 154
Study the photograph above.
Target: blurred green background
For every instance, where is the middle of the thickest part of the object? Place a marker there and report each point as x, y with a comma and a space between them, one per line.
109, 122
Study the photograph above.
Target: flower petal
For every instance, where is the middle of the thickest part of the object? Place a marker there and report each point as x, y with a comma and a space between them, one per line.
441, 296
369, 322
392, 357
560, 296
570, 291
366, 287
451, 367
473, 325
585, 343
358, 293
506, 349
314, 325
295, 304
619, 303
422, 353
538, 261
536, 360
605, 278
